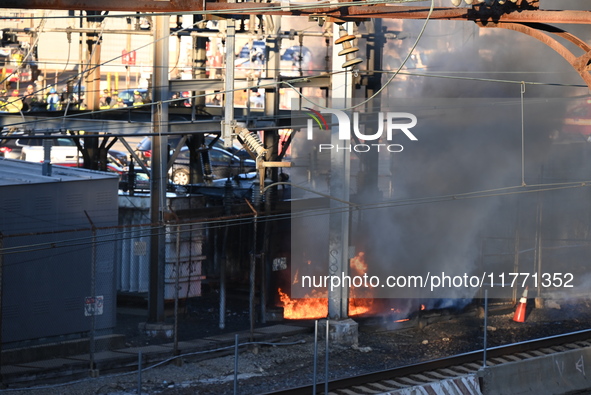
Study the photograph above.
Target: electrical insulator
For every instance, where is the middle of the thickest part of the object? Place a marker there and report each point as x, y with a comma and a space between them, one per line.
252, 142
348, 50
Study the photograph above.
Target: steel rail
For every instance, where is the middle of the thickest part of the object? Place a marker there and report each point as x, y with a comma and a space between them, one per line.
460, 359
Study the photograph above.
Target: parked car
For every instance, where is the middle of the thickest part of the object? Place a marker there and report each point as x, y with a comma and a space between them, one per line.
115, 165
141, 183
223, 164
31, 149
8, 146
144, 148
118, 158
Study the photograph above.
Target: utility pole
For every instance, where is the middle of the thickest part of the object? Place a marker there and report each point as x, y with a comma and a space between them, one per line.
93, 85
159, 176
271, 138
368, 182
340, 173
228, 121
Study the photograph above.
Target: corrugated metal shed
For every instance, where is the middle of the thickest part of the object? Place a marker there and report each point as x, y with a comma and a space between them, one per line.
48, 255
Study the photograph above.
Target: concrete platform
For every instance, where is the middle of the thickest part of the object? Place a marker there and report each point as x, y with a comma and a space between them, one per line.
56, 363
229, 338
283, 330
193, 345
62, 349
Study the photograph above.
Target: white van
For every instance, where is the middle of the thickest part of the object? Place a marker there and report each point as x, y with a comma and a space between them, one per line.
63, 150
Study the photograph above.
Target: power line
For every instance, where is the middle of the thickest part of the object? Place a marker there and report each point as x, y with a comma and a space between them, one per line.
246, 219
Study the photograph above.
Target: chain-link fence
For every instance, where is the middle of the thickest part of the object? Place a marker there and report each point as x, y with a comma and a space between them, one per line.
57, 289
79, 293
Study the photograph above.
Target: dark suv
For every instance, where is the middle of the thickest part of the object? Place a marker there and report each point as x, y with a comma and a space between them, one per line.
144, 148
223, 165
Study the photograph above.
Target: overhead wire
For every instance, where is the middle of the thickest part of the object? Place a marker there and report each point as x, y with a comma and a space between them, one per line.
262, 218
455, 197
289, 83
389, 81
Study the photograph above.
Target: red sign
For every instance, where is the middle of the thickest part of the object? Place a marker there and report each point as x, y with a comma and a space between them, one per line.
128, 58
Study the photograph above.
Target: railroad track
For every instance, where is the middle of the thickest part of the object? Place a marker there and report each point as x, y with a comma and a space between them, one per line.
446, 368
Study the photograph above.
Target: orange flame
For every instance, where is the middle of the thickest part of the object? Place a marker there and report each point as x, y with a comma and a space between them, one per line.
422, 307
316, 306
403, 320
358, 263
306, 308
358, 306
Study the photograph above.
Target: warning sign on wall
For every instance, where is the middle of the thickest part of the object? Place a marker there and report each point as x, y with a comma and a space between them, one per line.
93, 306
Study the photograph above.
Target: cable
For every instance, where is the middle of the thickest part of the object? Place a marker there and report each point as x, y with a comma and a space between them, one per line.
221, 223
451, 77
393, 75
289, 83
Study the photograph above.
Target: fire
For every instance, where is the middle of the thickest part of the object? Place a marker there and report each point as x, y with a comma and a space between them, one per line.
403, 320
360, 306
422, 307
358, 263
303, 308
316, 304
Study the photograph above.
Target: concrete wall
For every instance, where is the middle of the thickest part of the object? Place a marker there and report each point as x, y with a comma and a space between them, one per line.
560, 373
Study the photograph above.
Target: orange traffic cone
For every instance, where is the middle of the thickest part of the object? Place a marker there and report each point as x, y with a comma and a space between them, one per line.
521, 307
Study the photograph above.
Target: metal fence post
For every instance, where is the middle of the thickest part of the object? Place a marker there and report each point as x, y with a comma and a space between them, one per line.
315, 357
176, 291
92, 345
1, 290
326, 358
221, 252
235, 364
485, 327
139, 373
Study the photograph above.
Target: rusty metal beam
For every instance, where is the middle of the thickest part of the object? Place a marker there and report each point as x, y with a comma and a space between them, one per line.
111, 5
345, 10
542, 34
